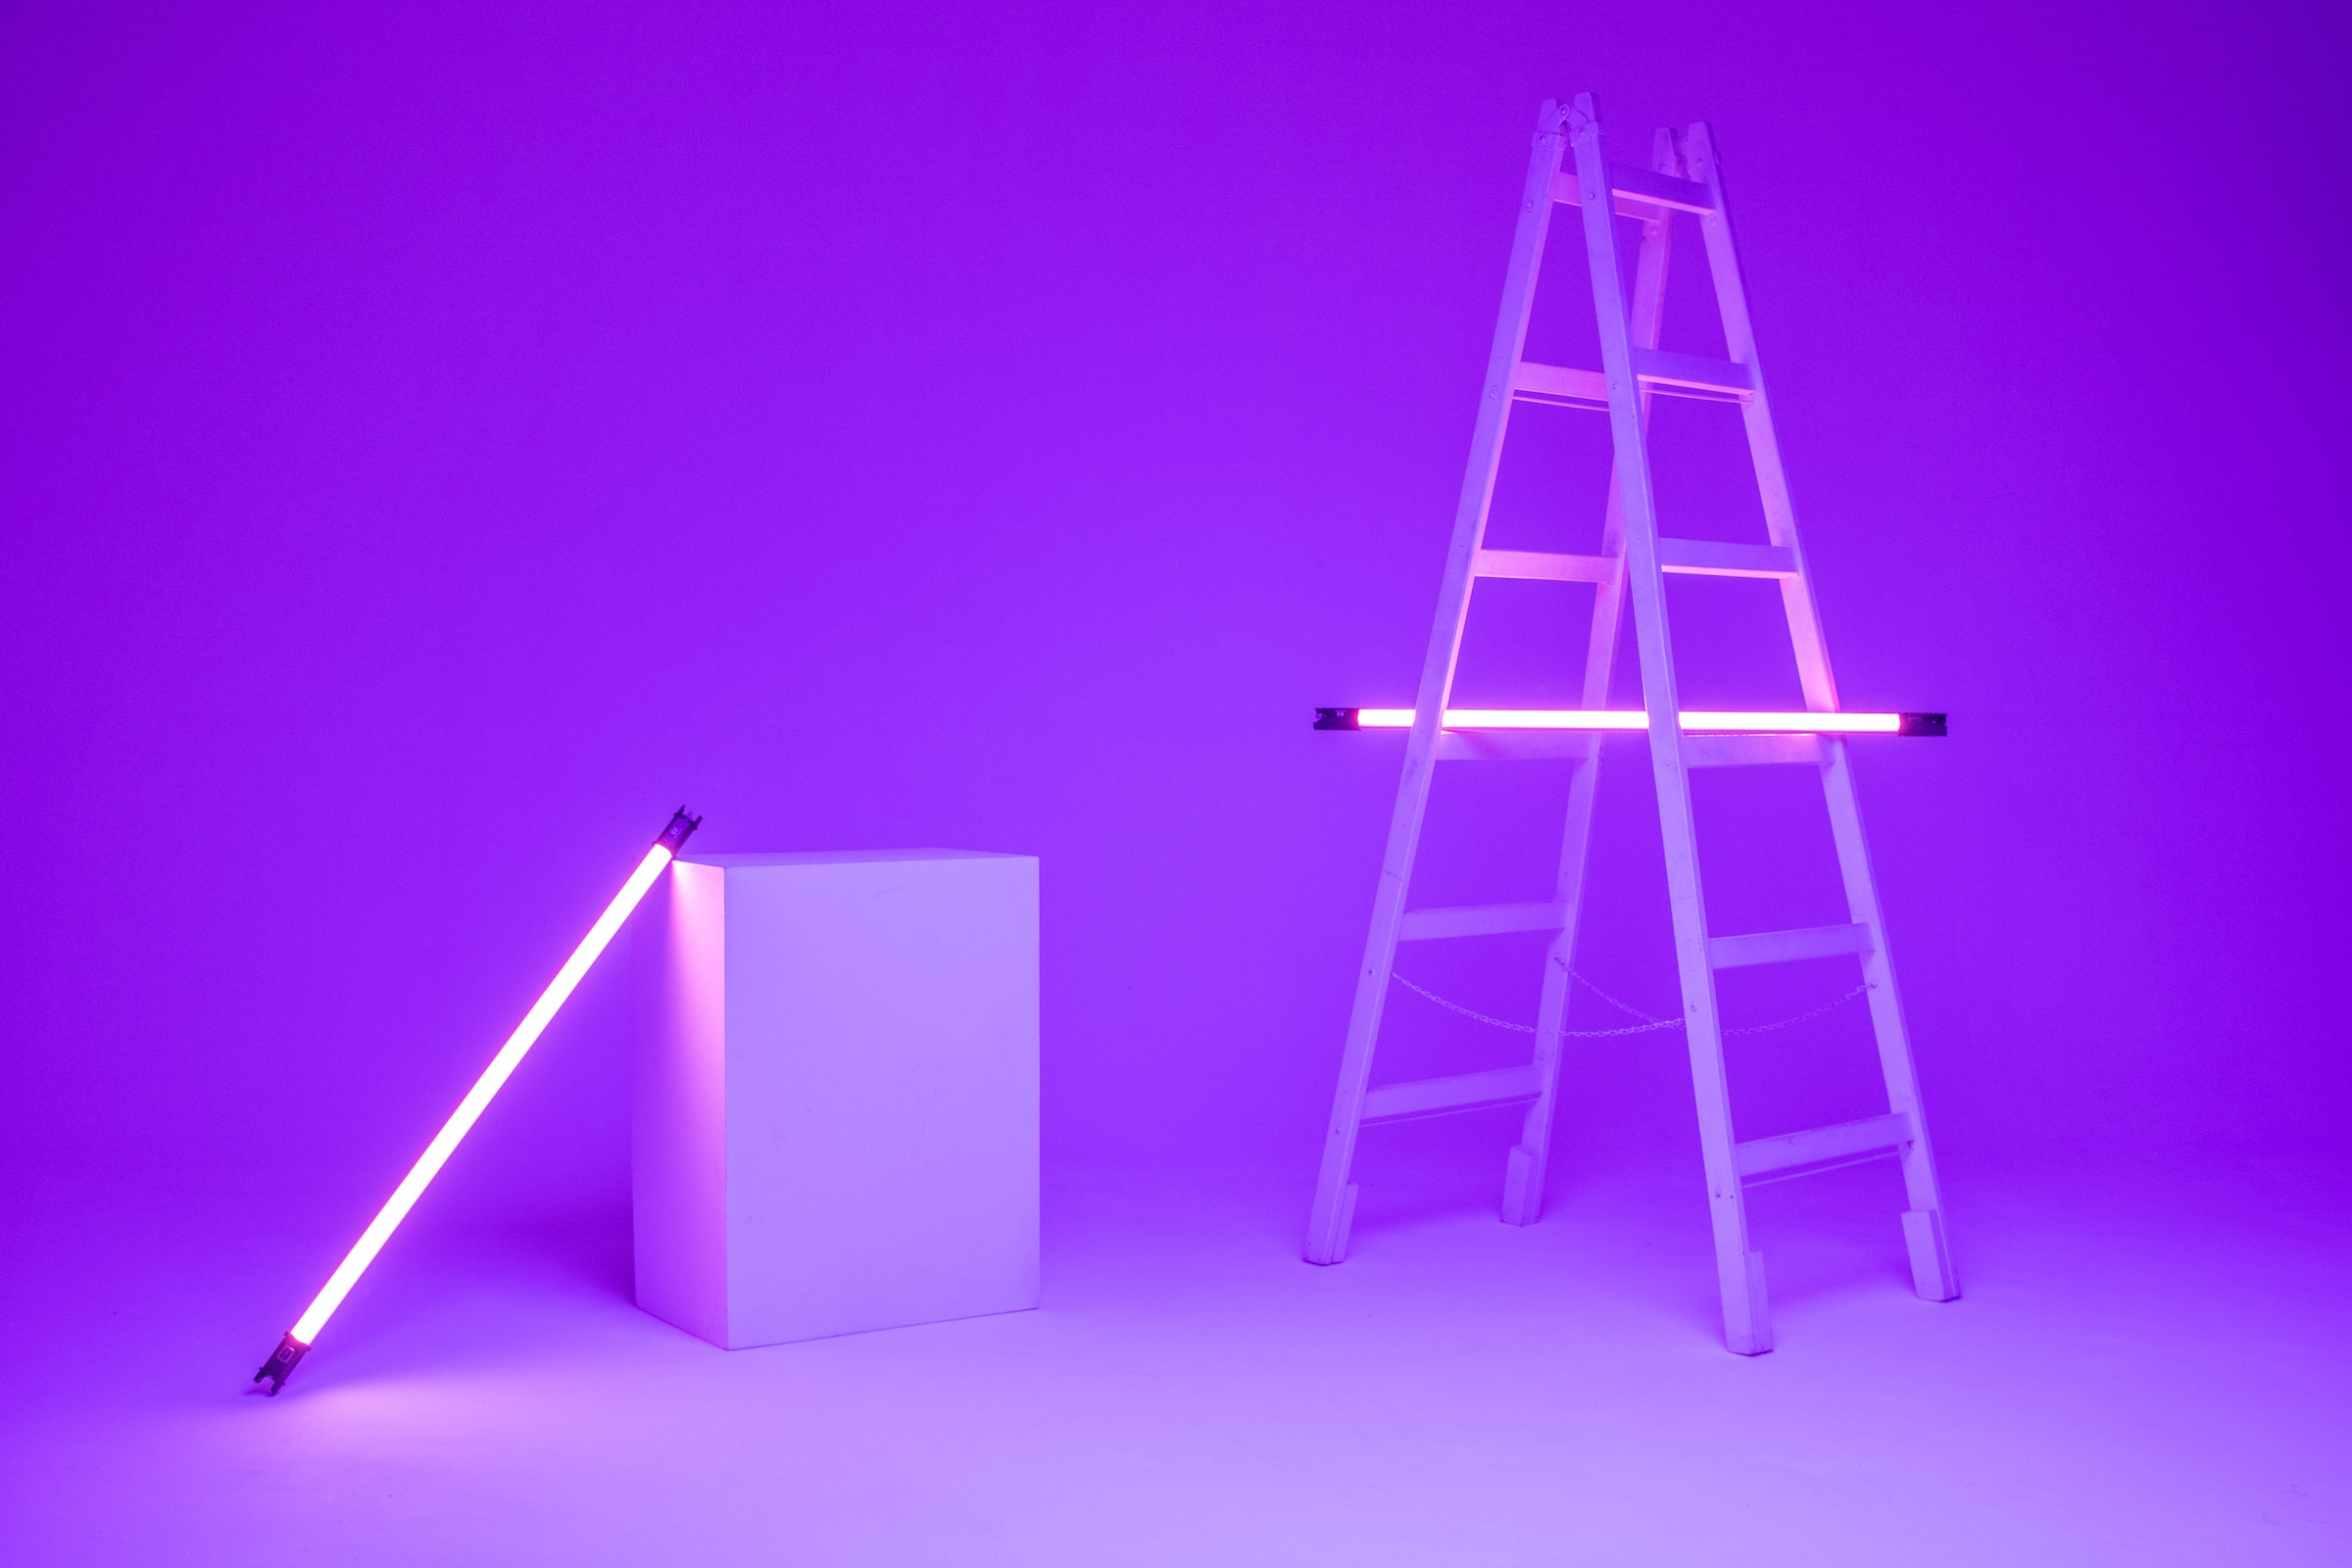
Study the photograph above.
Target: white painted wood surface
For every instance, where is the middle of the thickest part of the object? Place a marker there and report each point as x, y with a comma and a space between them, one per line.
1818, 1145
1931, 1272
1544, 566
1748, 1328
1517, 746
1689, 372
1528, 1159
1334, 1202
1639, 192
1712, 558
1635, 560
1752, 751
1481, 921
1497, 1087
1788, 946
836, 1111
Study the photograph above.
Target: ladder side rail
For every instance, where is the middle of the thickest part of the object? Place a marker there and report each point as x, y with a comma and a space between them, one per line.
1529, 1157
1931, 1272
1330, 1219
1933, 1275
1645, 326
1806, 633
1746, 1323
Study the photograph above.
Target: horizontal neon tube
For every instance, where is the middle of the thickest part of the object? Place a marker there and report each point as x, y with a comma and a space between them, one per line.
1611, 719
477, 1099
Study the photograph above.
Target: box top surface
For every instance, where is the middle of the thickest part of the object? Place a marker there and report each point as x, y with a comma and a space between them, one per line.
843, 856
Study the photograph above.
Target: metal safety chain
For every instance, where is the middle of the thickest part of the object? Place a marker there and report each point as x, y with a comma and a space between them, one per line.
1647, 1025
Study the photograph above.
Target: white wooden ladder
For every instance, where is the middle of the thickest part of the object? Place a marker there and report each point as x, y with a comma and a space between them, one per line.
1568, 169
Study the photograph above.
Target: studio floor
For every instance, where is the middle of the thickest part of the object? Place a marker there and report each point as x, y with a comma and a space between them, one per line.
2140, 1373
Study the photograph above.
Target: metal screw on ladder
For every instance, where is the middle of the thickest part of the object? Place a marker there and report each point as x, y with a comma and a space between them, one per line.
1568, 168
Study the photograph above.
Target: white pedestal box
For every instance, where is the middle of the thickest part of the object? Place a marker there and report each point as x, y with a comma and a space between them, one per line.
836, 1114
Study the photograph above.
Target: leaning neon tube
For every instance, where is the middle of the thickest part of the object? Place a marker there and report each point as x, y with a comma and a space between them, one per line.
299, 1339
1615, 719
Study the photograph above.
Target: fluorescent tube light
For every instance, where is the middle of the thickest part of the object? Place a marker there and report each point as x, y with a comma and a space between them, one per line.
1611, 719
305, 1332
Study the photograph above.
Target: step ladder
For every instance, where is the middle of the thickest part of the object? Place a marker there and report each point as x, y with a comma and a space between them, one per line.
1569, 169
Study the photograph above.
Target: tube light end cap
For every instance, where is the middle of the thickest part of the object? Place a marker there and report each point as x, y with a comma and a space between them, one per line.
279, 1367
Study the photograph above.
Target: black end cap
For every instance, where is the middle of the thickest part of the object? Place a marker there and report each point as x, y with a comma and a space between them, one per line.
1920, 725
280, 1365
1336, 718
681, 828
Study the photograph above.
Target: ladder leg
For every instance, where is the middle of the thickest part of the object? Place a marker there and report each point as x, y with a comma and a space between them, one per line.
1746, 1320
1738, 1266
1523, 1167
1332, 1212
1931, 1272
1523, 1178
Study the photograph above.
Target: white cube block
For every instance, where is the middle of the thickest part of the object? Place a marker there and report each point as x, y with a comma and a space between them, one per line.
836, 1111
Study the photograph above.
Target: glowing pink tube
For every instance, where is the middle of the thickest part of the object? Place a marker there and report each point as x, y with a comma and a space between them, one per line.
1612, 718
469, 1110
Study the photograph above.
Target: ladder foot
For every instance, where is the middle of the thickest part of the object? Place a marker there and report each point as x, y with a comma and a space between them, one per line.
1522, 1188
1931, 1258
1327, 1232
1747, 1313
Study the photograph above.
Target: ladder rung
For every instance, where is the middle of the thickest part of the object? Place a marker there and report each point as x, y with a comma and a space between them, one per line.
1788, 946
1516, 745
1689, 375
1539, 565
1746, 750
1639, 192
1481, 921
1463, 1092
1557, 383
1761, 1156
1675, 374
1709, 558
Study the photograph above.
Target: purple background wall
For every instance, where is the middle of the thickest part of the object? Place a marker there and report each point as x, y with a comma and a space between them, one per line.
438, 443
